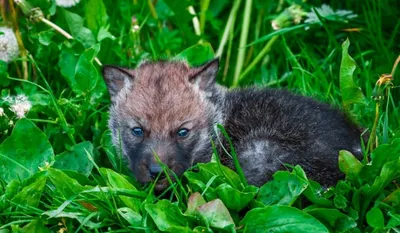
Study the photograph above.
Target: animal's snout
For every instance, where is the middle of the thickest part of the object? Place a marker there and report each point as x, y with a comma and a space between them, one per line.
155, 170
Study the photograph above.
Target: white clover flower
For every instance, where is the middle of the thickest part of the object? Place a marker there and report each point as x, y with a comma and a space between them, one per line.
67, 3
20, 106
21, 98
1, 112
8, 45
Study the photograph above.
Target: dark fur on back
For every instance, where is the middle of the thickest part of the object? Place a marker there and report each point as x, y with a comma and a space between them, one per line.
272, 127
269, 128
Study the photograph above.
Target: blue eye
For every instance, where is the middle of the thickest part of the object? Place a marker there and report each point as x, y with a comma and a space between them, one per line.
138, 132
183, 132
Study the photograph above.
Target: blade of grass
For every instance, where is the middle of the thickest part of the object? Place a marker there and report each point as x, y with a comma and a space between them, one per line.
238, 168
242, 43
228, 27
256, 60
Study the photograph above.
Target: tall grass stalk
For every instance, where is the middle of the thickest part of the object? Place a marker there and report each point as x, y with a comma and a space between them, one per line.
243, 42
258, 58
204, 4
228, 28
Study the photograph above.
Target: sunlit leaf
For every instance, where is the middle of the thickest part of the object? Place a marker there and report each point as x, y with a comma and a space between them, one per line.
24, 152
280, 219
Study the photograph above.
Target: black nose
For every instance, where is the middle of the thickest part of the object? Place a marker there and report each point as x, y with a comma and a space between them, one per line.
155, 170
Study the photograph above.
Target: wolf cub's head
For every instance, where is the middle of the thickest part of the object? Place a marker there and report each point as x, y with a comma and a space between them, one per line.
162, 108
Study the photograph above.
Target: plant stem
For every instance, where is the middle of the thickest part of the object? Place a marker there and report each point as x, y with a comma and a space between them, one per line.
57, 28
152, 9
44, 121
195, 20
18, 36
228, 56
203, 7
372, 137
64, 33
260, 56
3, 9
242, 42
228, 27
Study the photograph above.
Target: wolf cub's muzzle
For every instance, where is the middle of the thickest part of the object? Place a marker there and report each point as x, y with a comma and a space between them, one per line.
147, 168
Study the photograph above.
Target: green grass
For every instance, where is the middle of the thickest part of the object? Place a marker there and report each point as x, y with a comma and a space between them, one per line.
59, 171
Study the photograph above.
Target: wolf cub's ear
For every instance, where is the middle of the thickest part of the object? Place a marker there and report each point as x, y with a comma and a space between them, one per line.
116, 78
204, 76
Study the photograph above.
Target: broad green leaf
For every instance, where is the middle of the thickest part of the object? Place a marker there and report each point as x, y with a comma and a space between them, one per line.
132, 217
64, 184
197, 54
86, 74
79, 71
353, 214
12, 189
200, 229
375, 218
280, 219
36, 225
95, 15
118, 181
81, 178
76, 159
333, 219
78, 31
283, 190
166, 215
82, 218
224, 175
31, 194
389, 171
343, 187
195, 200
45, 37
380, 156
67, 63
104, 33
340, 201
235, 199
24, 151
314, 193
196, 183
351, 93
217, 215
349, 164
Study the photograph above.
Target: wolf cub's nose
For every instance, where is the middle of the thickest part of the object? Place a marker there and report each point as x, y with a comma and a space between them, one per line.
154, 170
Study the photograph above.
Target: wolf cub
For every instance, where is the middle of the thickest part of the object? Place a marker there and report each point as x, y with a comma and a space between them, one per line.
170, 109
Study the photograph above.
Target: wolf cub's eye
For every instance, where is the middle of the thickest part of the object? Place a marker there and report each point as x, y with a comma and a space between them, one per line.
137, 131
183, 132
